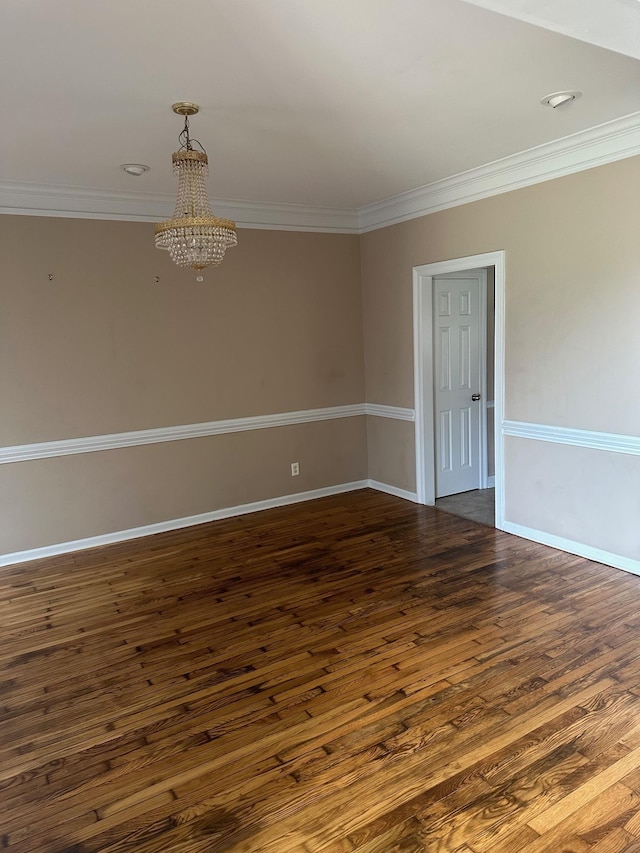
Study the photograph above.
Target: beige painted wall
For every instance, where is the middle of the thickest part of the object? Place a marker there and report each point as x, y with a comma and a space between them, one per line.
596, 491
295, 321
572, 309
103, 348
572, 272
391, 452
58, 500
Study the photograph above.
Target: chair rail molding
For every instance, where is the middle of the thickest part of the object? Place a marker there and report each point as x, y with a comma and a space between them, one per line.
613, 442
112, 441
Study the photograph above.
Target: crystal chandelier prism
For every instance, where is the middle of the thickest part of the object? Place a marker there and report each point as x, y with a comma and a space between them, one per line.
194, 236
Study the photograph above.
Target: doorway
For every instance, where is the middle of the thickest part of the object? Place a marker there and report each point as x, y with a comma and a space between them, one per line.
451, 446
460, 384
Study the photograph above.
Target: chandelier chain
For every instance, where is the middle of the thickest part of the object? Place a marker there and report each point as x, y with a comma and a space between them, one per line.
186, 143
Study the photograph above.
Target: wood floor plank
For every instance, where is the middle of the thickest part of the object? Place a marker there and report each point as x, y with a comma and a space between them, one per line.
357, 673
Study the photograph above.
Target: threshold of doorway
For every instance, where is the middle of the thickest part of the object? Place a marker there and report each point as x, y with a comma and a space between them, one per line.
478, 505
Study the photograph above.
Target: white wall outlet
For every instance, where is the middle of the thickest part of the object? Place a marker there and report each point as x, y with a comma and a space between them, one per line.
295, 469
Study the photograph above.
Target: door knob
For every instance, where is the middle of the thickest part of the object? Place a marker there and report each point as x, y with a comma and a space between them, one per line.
475, 396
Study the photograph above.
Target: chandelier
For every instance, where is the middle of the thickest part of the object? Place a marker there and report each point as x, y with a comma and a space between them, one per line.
194, 237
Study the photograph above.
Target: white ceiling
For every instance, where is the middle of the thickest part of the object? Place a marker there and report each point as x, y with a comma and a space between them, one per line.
614, 24
336, 103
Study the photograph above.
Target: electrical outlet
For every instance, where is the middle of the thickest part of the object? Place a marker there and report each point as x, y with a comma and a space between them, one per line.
295, 469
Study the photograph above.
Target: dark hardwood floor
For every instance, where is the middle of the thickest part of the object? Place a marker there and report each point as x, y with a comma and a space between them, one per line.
352, 674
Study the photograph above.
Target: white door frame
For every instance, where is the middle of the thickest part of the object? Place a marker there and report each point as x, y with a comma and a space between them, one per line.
423, 371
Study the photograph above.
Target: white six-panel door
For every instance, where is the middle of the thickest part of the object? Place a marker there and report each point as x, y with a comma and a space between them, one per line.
457, 380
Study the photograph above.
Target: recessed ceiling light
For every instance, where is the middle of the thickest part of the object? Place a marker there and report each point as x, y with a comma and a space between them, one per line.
135, 169
557, 99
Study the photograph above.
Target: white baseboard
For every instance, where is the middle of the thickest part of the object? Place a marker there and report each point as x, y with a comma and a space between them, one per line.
578, 548
192, 520
175, 524
393, 490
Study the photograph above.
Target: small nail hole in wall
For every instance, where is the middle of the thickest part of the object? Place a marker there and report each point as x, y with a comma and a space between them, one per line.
50, 276
157, 279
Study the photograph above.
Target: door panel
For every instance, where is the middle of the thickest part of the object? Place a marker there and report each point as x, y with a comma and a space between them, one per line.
444, 443
445, 360
466, 438
464, 338
457, 371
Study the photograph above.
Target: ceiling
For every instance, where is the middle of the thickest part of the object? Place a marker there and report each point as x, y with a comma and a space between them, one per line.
336, 103
614, 24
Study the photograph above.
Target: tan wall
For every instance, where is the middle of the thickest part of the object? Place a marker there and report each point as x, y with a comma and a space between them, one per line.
596, 490
57, 500
103, 348
572, 273
391, 452
572, 309
279, 327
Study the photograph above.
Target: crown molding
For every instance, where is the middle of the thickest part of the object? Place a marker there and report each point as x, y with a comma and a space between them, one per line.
605, 143
596, 146
80, 203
